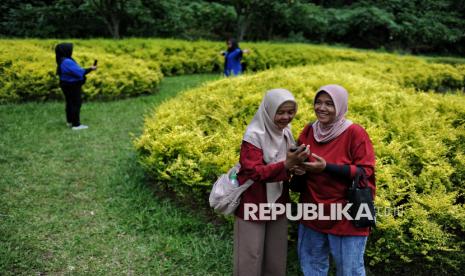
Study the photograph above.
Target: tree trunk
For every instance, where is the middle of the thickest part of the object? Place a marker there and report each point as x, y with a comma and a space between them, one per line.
270, 31
115, 26
112, 25
111, 12
242, 26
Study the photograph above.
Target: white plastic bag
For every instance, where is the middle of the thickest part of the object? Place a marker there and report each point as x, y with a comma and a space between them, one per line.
224, 197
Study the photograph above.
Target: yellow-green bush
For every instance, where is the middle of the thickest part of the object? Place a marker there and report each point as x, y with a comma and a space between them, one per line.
132, 66
28, 73
177, 57
419, 139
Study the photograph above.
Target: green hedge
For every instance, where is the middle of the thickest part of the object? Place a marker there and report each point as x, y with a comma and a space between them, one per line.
135, 66
28, 73
419, 139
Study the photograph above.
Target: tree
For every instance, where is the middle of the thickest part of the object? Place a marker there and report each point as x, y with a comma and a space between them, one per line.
112, 12
248, 11
268, 18
244, 10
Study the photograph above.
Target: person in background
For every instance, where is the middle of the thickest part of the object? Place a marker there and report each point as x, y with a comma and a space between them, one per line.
232, 58
339, 148
260, 246
72, 77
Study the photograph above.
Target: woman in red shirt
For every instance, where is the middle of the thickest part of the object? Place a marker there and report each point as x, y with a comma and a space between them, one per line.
338, 147
260, 245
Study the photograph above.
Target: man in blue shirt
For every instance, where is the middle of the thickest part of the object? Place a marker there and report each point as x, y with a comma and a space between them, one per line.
72, 77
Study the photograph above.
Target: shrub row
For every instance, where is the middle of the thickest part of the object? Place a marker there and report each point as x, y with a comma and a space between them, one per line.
28, 73
177, 57
135, 66
419, 139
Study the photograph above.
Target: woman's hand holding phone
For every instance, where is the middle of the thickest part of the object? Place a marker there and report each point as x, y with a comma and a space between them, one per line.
305, 148
296, 156
316, 166
94, 66
306, 165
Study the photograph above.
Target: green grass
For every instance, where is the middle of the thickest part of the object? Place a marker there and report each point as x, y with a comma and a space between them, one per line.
78, 202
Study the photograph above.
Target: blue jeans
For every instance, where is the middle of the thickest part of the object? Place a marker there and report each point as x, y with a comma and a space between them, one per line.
314, 247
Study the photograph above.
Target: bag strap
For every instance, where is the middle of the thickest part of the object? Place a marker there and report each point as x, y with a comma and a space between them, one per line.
359, 176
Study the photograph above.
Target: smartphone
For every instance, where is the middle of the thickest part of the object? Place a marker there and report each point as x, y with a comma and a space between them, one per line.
294, 149
95, 62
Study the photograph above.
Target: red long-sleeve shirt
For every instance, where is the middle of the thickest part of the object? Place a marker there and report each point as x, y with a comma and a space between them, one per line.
354, 148
253, 167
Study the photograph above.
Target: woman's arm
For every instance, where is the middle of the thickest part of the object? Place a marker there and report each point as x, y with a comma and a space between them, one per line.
363, 157
253, 166
72, 68
363, 154
339, 170
361, 151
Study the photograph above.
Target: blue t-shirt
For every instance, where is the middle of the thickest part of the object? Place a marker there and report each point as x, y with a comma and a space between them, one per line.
233, 62
71, 72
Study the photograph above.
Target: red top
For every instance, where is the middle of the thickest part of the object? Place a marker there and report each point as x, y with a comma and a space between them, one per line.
353, 147
253, 167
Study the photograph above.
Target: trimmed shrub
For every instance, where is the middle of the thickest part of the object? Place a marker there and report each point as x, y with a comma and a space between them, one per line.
190, 140
28, 73
132, 67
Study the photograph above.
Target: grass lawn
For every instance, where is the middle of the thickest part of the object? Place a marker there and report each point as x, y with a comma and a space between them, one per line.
77, 202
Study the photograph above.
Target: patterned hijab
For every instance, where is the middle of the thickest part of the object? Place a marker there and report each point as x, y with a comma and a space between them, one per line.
263, 133
325, 133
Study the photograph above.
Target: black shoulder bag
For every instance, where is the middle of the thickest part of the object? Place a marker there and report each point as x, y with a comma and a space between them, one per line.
361, 197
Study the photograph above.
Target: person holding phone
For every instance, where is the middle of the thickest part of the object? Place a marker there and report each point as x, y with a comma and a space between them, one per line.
260, 245
339, 148
72, 77
232, 58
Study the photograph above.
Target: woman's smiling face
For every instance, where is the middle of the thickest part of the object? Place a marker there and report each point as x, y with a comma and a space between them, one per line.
285, 114
324, 108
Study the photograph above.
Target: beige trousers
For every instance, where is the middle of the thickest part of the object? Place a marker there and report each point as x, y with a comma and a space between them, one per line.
260, 248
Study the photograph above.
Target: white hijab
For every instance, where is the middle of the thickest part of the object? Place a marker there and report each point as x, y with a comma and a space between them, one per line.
263, 133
